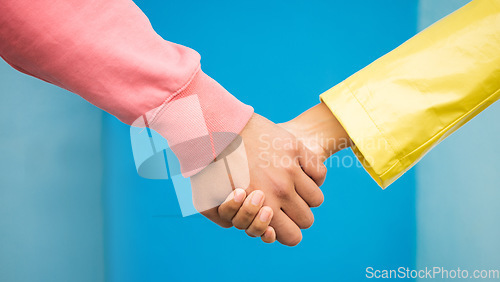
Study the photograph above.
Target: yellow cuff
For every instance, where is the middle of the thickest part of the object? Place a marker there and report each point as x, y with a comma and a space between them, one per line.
377, 155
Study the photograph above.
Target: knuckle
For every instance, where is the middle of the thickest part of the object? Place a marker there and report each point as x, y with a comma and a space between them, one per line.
233, 208
282, 192
282, 189
247, 213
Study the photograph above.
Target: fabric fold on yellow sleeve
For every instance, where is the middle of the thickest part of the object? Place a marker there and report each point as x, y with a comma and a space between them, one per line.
381, 160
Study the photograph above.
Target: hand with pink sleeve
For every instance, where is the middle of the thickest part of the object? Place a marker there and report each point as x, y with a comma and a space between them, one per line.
107, 52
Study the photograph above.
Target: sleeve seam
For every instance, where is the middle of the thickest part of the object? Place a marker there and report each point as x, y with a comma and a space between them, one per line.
374, 123
160, 109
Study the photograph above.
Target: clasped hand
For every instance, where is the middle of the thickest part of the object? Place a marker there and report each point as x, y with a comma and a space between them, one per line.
273, 183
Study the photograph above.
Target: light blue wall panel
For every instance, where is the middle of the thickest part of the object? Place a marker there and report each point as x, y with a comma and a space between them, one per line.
458, 190
50, 183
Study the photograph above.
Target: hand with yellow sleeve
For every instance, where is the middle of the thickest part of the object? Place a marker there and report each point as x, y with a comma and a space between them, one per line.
402, 105
392, 112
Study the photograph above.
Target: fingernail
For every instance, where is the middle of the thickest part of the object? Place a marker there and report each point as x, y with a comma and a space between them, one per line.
257, 198
239, 195
265, 214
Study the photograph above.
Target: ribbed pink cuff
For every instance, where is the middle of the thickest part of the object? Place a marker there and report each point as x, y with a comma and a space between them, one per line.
199, 122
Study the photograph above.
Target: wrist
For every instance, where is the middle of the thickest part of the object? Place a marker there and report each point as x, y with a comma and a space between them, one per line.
320, 131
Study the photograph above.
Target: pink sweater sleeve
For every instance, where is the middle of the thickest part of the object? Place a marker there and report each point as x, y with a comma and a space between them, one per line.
107, 52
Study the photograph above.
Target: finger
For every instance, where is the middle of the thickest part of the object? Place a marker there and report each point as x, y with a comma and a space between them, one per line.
260, 223
312, 165
229, 208
287, 232
213, 215
308, 190
269, 235
298, 211
250, 208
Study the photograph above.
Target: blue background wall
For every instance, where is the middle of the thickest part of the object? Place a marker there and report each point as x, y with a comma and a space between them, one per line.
72, 207
277, 56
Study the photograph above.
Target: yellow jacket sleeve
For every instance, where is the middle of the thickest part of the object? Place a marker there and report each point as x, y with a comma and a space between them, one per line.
402, 105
